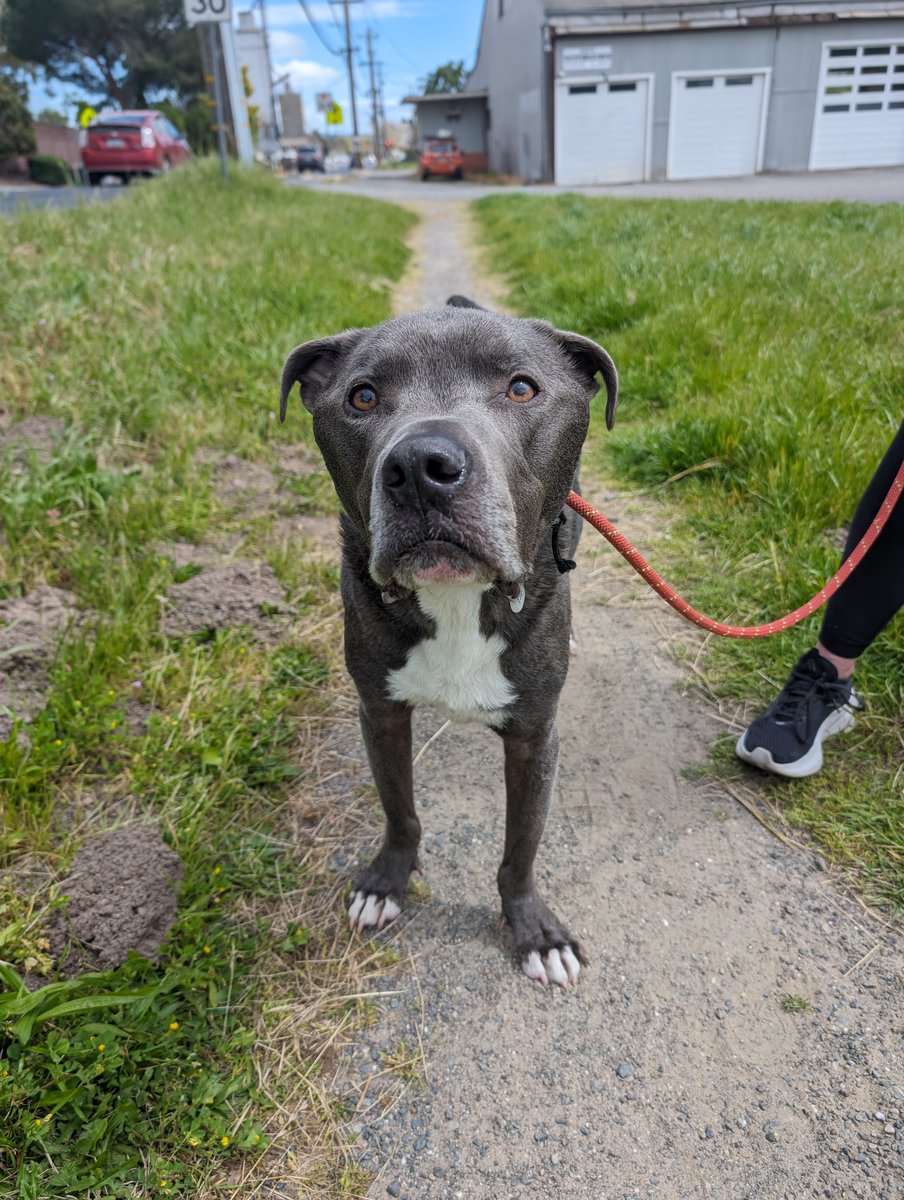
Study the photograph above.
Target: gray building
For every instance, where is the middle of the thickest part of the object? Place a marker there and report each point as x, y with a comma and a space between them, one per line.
613, 91
463, 114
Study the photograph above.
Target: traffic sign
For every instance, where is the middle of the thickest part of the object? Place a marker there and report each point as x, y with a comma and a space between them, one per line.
324, 100
200, 12
334, 114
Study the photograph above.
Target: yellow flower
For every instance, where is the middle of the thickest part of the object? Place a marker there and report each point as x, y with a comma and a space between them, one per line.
112, 724
4, 1073
192, 1141
206, 949
38, 1122
101, 1045
58, 742
174, 1025
111, 694
257, 1137
224, 1140
217, 870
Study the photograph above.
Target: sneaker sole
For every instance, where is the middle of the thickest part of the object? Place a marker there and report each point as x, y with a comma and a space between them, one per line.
809, 763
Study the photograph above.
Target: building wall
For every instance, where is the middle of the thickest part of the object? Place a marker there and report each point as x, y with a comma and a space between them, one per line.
510, 65
464, 119
251, 52
792, 52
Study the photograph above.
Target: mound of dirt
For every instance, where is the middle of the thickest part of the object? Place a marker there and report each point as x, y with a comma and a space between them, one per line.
32, 435
239, 483
122, 896
237, 593
201, 554
30, 627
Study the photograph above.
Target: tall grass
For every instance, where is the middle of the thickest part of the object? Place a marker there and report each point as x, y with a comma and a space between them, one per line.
156, 325
760, 350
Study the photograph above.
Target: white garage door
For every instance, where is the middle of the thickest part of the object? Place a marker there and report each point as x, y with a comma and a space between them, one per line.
716, 124
601, 131
859, 119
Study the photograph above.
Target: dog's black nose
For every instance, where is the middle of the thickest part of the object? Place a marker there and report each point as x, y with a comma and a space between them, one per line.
424, 468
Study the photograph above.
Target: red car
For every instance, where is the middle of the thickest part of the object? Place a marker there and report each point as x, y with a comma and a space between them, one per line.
441, 156
132, 142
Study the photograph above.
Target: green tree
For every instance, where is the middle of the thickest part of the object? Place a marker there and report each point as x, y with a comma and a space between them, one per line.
52, 116
17, 133
450, 77
122, 51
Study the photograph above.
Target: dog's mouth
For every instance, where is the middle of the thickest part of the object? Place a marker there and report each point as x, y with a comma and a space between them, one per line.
440, 560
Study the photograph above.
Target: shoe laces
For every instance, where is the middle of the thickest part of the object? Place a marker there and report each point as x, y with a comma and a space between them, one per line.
792, 706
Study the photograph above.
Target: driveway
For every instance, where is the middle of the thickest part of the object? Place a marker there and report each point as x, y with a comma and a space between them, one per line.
870, 187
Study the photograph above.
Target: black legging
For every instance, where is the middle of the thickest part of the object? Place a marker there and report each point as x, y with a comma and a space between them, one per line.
863, 607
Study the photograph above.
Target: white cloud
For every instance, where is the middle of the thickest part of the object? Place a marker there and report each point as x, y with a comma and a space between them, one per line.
303, 73
284, 44
324, 14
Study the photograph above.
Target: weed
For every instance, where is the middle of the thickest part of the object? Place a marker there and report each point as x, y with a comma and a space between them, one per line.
155, 335
795, 1004
758, 346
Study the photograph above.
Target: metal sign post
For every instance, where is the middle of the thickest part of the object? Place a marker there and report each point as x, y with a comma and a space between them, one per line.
206, 14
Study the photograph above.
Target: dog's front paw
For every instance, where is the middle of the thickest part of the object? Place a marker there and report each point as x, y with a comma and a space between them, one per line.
549, 954
367, 910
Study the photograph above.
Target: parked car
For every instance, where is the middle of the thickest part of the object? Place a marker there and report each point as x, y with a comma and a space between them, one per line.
132, 142
441, 156
310, 158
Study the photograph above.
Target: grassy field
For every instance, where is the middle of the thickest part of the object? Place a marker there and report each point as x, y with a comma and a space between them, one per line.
155, 326
760, 353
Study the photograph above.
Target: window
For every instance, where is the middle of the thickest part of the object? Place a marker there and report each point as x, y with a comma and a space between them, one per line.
622, 87
582, 89
877, 49
830, 108
692, 83
843, 52
870, 107
874, 70
739, 81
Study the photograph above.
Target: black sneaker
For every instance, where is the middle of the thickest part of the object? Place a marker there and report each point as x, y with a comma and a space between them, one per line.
814, 703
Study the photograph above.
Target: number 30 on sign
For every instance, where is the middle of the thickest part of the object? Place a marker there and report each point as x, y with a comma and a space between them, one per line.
199, 11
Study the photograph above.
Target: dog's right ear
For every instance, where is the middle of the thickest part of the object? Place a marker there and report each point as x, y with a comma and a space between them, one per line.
313, 365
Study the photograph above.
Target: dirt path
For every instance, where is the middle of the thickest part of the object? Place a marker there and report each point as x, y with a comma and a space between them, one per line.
673, 1070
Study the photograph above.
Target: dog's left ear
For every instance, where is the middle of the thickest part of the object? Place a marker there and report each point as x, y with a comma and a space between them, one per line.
592, 359
313, 365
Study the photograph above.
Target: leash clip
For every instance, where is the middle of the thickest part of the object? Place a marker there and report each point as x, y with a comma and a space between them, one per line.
564, 564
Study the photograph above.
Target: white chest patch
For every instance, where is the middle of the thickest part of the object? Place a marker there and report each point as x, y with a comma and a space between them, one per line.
458, 670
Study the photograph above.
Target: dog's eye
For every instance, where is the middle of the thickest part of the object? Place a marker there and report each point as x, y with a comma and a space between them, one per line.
521, 389
364, 399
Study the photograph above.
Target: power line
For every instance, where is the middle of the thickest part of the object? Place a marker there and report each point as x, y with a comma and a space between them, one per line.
316, 28
401, 53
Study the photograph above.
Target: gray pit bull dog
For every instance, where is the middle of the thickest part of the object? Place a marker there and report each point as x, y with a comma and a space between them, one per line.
453, 437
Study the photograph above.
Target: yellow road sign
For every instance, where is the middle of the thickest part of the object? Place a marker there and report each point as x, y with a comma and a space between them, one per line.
334, 114
86, 116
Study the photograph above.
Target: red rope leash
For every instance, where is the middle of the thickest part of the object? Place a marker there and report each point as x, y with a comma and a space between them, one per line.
658, 584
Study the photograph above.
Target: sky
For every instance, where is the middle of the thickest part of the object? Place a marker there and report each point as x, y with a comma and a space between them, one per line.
411, 38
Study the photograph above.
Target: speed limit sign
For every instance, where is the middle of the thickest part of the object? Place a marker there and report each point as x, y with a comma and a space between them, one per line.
198, 12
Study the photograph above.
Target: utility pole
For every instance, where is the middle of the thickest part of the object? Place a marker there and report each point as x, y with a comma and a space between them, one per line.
375, 117
356, 145
273, 122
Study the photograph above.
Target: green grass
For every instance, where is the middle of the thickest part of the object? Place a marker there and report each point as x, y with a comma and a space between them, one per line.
762, 345
156, 325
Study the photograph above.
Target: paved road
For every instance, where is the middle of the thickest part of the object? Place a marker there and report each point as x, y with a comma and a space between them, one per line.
871, 187
16, 198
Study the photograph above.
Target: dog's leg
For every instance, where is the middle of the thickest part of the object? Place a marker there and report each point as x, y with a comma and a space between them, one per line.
378, 890
547, 950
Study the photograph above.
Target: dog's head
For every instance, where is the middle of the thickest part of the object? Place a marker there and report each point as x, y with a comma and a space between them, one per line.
452, 436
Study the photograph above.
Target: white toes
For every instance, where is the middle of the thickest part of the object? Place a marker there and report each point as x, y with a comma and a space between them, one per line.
366, 910
555, 970
571, 963
371, 912
390, 911
558, 966
532, 966
354, 909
